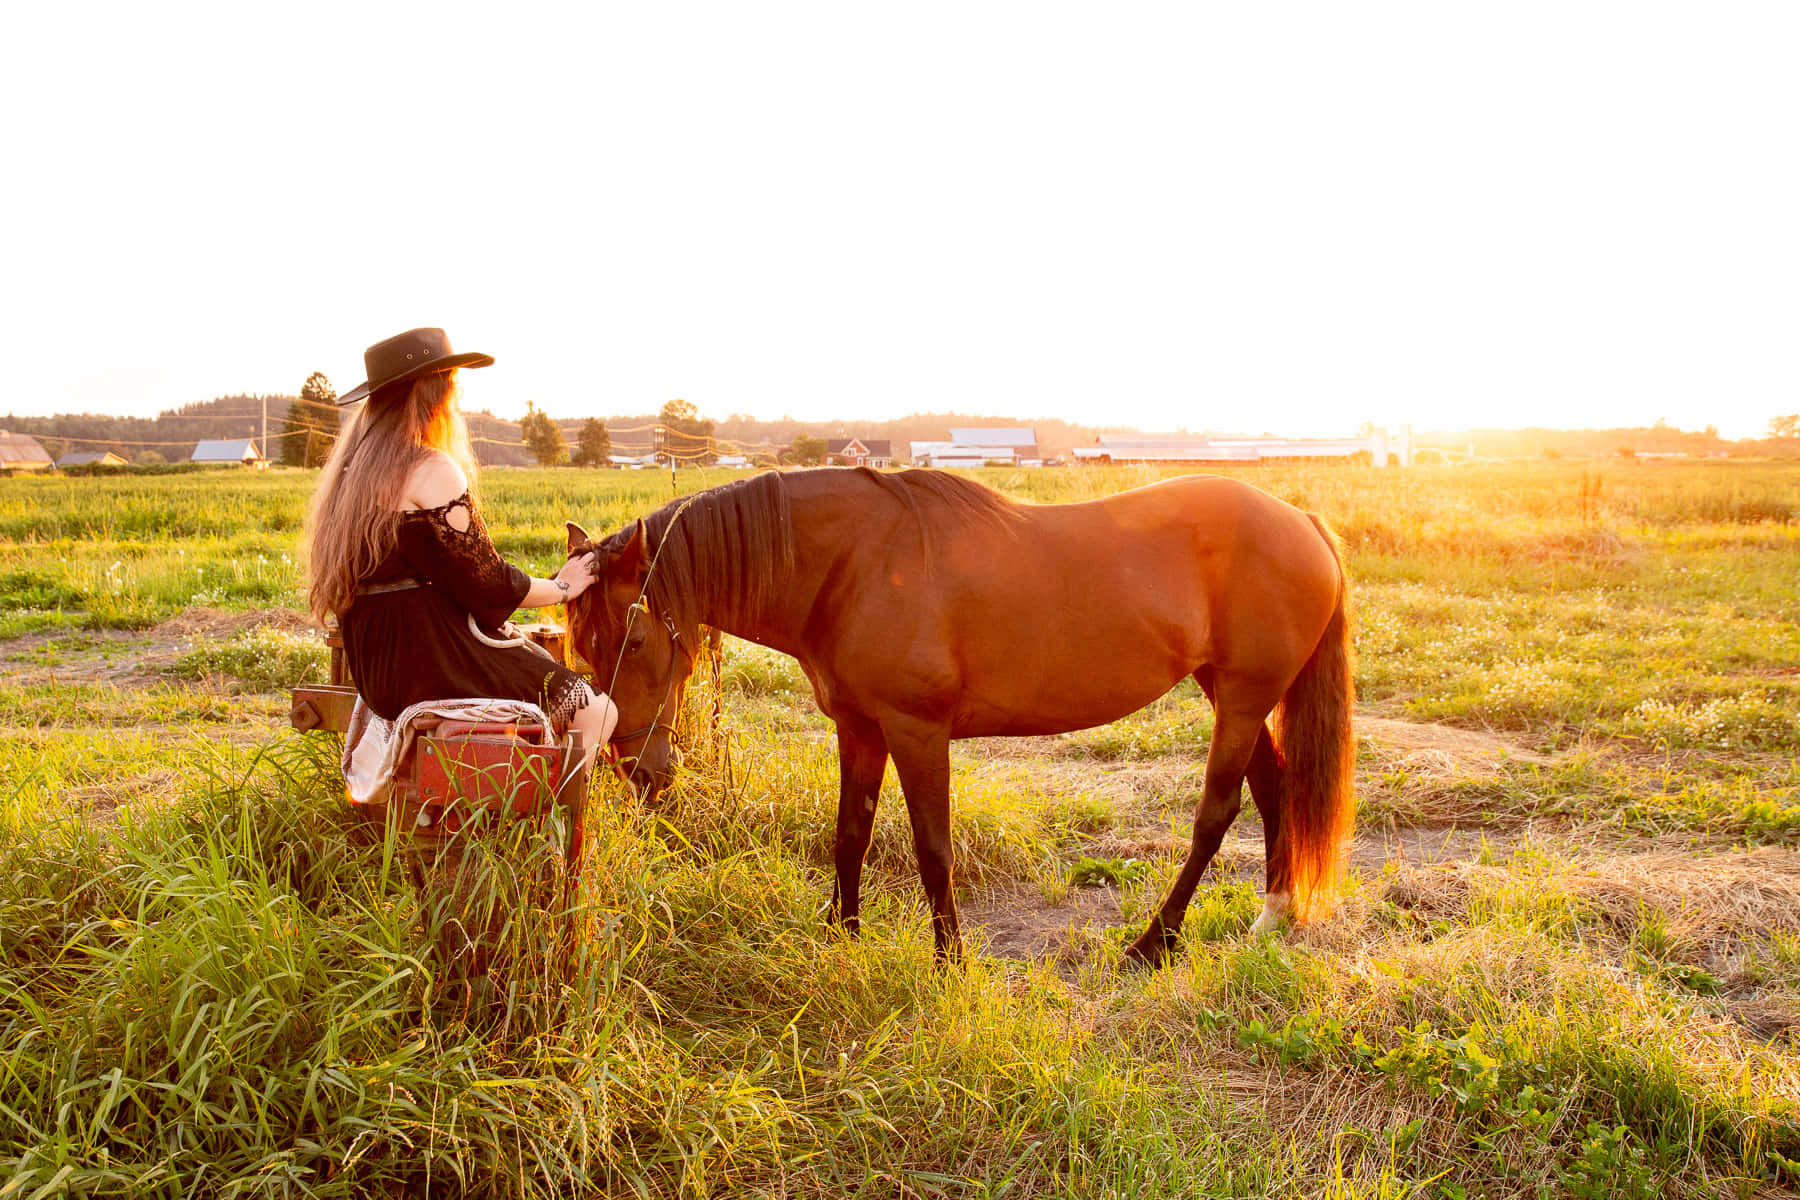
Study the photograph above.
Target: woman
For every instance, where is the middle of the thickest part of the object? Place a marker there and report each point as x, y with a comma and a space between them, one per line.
400, 555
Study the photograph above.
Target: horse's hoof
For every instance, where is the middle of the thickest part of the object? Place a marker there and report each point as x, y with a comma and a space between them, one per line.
1141, 957
1277, 907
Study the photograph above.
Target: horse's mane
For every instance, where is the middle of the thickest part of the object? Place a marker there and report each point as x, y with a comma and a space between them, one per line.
960, 497
730, 549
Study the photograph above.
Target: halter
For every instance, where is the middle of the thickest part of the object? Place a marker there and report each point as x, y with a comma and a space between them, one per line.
668, 686
643, 603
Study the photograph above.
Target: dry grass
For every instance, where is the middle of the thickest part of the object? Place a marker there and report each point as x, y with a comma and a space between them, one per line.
1730, 917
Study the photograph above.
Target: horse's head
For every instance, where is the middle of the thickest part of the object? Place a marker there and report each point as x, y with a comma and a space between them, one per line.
637, 654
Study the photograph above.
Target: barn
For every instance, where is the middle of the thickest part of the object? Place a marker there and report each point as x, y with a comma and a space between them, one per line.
242, 451
976, 446
21, 452
90, 458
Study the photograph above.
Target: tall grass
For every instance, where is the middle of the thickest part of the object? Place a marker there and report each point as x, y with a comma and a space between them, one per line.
213, 982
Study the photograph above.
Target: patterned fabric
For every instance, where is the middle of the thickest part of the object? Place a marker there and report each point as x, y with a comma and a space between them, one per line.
443, 640
463, 562
565, 703
374, 746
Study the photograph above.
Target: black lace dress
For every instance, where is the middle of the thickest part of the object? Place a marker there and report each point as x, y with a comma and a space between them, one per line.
410, 644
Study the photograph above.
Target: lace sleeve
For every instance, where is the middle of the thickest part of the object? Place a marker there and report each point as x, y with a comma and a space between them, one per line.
462, 561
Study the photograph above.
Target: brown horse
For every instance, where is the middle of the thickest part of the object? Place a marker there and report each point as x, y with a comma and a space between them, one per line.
926, 607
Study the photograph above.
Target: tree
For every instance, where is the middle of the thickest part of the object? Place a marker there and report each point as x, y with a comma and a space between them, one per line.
594, 447
808, 451
1785, 427
687, 436
310, 427
542, 437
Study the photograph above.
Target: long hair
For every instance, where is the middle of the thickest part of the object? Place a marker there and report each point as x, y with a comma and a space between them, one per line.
354, 520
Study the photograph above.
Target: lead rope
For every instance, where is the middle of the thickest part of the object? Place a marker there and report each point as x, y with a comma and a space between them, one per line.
642, 604
716, 646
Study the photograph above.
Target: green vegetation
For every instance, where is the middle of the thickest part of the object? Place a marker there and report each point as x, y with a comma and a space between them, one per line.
1567, 963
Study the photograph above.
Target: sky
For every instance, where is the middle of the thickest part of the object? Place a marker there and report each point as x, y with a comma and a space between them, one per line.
1290, 218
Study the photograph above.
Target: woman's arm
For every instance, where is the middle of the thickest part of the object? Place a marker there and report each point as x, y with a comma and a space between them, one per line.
568, 583
439, 481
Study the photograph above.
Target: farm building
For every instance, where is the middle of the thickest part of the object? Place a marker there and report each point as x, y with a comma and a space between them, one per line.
974, 447
947, 454
1017, 444
90, 458
242, 451
1186, 448
856, 452
21, 452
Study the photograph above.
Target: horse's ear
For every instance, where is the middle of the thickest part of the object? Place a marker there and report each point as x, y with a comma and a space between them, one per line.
578, 537
631, 562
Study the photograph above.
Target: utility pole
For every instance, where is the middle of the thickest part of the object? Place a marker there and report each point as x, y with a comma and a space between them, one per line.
265, 429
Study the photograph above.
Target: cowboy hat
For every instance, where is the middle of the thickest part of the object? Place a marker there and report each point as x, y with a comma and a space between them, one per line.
406, 355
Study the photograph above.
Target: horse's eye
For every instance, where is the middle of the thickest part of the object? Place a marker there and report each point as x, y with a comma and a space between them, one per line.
635, 642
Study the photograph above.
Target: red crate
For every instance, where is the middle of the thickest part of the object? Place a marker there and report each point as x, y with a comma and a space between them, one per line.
462, 774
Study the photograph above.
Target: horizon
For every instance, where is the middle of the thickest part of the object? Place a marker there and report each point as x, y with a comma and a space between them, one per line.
1541, 217
568, 422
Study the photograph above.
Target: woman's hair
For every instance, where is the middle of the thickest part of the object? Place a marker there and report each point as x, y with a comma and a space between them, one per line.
355, 515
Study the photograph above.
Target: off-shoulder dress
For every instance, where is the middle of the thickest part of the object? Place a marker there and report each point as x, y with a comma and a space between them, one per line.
406, 644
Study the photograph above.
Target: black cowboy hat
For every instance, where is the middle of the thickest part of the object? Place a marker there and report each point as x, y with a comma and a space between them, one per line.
406, 355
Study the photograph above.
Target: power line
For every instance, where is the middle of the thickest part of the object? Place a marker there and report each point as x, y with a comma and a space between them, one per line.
699, 445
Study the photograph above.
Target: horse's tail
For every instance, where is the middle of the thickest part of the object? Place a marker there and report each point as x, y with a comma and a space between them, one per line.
1318, 757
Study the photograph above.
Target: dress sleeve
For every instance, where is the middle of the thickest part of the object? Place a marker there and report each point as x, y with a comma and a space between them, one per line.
462, 562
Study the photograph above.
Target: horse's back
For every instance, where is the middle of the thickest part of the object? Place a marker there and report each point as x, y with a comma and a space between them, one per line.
1070, 615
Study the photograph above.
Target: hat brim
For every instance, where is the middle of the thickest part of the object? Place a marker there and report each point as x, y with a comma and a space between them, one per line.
361, 391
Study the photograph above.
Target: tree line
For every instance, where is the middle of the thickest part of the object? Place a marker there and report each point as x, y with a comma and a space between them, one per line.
302, 429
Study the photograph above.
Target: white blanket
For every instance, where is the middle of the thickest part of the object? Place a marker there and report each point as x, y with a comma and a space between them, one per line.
374, 746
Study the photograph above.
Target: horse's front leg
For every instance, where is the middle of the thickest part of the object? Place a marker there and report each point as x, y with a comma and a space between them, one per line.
922, 759
862, 761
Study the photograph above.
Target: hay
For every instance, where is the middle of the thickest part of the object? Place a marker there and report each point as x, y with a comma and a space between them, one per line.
1708, 899
221, 624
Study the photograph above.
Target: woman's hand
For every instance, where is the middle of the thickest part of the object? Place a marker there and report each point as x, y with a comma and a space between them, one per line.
578, 574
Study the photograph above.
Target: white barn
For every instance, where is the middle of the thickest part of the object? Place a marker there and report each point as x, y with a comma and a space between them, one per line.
242, 451
976, 446
1185, 448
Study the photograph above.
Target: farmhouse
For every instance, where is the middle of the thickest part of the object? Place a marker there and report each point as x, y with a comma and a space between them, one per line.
241, 451
856, 452
21, 452
90, 458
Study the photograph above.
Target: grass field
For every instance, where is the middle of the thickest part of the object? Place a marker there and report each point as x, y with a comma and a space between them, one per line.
1567, 961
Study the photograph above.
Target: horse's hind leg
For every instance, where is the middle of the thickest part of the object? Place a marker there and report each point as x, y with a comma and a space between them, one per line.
862, 761
1264, 778
1236, 730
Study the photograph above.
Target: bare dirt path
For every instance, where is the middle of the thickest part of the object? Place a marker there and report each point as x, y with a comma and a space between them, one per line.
132, 656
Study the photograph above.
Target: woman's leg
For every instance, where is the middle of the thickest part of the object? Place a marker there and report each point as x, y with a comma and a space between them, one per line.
595, 720
572, 704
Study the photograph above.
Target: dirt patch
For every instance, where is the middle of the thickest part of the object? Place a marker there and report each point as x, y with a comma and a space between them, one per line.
1017, 922
122, 657
1374, 849
221, 624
